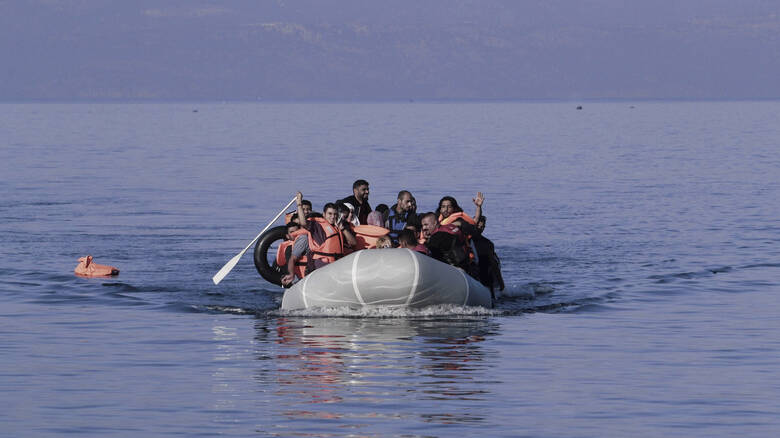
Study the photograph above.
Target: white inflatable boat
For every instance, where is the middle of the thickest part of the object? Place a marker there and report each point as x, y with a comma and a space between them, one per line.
386, 277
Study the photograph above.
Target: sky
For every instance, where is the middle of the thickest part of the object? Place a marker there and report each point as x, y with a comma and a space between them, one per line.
388, 50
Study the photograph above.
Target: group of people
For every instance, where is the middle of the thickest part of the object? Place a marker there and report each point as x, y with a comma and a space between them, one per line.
350, 224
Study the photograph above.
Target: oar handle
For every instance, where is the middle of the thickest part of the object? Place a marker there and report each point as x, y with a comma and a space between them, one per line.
281, 212
232, 262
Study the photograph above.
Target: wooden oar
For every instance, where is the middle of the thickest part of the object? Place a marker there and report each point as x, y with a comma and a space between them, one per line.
232, 263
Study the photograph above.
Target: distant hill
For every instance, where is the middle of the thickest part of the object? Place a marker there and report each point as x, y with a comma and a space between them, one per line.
367, 50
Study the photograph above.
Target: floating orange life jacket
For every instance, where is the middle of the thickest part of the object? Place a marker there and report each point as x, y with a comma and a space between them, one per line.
325, 243
282, 253
454, 216
86, 268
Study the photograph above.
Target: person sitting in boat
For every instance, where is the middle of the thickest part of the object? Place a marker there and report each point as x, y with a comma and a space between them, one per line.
447, 243
415, 228
359, 200
347, 213
285, 249
322, 243
481, 223
408, 239
293, 215
384, 211
449, 210
375, 218
384, 242
399, 210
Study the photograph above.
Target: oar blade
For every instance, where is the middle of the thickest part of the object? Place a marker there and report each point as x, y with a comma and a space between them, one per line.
226, 269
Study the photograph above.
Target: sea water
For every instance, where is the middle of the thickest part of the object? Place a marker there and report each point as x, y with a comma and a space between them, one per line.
639, 241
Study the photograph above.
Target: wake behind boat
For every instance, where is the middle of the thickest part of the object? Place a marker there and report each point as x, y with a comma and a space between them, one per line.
395, 277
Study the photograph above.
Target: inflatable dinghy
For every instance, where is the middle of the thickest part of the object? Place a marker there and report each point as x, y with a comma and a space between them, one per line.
386, 277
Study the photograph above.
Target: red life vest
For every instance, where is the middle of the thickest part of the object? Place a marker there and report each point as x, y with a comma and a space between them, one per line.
281, 254
462, 239
451, 229
466, 218
325, 243
459, 215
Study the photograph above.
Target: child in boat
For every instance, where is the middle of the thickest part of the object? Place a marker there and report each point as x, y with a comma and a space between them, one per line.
384, 242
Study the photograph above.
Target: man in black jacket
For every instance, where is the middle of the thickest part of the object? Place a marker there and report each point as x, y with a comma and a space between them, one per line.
359, 200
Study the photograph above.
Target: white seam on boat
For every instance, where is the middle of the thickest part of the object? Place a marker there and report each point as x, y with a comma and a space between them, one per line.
303, 291
467, 286
416, 281
354, 279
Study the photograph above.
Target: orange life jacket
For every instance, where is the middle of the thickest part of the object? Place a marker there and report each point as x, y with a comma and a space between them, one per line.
281, 254
454, 216
325, 243
87, 268
367, 235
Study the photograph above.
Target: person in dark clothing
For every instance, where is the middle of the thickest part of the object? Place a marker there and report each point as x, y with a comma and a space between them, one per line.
359, 200
451, 244
488, 263
481, 223
383, 210
399, 212
407, 239
447, 243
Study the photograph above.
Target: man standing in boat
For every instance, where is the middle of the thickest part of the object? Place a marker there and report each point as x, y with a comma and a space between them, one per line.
359, 200
323, 242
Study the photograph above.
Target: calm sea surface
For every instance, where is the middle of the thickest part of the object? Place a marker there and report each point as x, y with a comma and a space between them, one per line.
640, 243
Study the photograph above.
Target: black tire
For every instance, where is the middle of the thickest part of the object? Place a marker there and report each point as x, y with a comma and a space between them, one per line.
270, 272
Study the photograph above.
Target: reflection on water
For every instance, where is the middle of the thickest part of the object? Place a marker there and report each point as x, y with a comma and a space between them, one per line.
355, 369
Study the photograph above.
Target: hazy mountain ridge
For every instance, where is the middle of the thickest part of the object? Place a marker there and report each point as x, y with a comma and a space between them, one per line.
203, 50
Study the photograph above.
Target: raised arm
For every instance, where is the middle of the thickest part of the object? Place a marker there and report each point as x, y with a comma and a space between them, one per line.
299, 205
478, 202
349, 235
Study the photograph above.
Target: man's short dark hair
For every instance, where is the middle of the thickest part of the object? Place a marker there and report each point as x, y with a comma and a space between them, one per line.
404, 192
358, 183
407, 237
292, 224
430, 213
382, 208
306, 202
329, 205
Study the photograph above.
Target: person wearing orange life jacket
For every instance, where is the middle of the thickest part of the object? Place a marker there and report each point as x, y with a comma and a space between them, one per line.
449, 210
284, 252
323, 241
